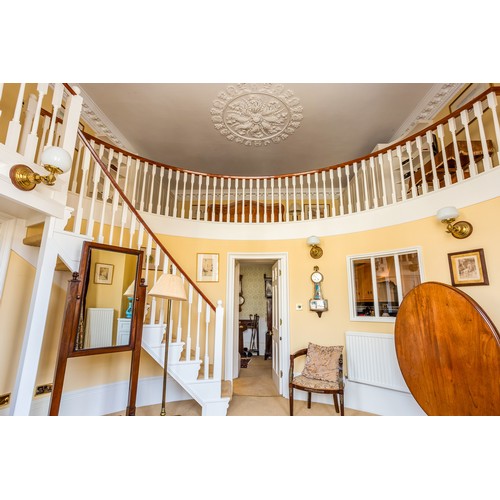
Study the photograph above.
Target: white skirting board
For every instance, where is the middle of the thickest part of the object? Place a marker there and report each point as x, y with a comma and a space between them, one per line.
109, 398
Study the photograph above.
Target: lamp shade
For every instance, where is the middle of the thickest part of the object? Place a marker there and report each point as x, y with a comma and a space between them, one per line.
57, 157
447, 213
129, 292
169, 286
313, 240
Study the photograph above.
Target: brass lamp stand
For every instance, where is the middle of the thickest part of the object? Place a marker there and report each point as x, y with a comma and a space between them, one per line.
169, 287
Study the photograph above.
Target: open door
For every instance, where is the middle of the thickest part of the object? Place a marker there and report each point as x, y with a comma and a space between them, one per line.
276, 327
236, 318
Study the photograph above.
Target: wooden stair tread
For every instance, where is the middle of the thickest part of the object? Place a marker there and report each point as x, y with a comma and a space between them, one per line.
33, 241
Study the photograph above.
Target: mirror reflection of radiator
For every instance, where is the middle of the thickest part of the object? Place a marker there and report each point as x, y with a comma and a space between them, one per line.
99, 327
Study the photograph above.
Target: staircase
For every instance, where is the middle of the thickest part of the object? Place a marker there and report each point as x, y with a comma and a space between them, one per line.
59, 223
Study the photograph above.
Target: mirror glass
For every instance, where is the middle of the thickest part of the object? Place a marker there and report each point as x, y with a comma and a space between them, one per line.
107, 301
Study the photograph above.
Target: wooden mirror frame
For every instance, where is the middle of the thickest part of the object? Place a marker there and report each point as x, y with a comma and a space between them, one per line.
75, 300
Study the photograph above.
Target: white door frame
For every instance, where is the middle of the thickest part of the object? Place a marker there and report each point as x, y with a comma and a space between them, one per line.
231, 352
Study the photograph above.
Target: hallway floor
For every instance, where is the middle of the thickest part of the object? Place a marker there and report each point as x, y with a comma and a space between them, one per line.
254, 394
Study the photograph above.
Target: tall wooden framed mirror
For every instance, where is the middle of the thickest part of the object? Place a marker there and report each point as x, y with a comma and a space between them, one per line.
104, 313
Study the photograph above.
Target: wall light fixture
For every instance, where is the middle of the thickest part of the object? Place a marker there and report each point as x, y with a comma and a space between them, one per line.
460, 229
316, 252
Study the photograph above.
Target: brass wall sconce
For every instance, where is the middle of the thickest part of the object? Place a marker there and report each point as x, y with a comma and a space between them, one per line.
460, 229
316, 252
54, 159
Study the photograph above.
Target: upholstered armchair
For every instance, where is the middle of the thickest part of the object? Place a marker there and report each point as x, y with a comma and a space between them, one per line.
322, 374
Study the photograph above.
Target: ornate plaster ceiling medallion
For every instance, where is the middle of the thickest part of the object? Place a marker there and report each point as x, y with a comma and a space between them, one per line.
256, 114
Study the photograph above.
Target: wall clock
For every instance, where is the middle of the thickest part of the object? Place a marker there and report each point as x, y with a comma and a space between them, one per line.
317, 304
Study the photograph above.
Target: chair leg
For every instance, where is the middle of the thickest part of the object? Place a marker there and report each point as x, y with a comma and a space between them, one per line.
335, 402
291, 401
341, 395
309, 400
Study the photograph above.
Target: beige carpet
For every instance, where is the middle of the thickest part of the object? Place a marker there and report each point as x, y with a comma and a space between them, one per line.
254, 394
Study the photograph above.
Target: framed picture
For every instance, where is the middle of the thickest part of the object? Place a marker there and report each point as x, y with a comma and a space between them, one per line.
103, 274
268, 287
208, 267
468, 268
152, 260
314, 210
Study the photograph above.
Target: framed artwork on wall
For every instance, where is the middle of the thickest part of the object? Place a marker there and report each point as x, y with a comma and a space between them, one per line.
207, 267
468, 268
268, 288
103, 274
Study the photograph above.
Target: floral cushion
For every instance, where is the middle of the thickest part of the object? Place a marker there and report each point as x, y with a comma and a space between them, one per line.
310, 383
322, 362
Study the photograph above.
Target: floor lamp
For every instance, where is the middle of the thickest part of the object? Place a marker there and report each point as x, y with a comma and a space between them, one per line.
169, 287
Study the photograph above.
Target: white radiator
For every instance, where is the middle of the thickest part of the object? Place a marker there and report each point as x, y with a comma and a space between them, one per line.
371, 359
99, 327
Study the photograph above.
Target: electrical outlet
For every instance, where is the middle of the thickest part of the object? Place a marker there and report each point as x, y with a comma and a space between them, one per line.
5, 399
43, 389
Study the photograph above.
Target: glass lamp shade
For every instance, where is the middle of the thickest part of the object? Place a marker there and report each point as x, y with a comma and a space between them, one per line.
447, 213
313, 240
57, 157
169, 286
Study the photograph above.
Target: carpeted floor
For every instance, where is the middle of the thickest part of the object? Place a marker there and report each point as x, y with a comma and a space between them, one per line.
254, 394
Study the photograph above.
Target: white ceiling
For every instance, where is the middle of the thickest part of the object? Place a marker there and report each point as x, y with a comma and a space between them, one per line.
171, 123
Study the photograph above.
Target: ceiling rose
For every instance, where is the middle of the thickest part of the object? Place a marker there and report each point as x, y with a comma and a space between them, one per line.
256, 114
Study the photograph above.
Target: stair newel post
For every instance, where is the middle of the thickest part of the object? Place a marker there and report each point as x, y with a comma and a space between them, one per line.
218, 344
435, 180
478, 113
492, 103
421, 158
14, 129
198, 326
188, 336
206, 362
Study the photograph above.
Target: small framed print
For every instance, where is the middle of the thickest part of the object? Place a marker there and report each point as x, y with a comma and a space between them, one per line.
468, 268
208, 267
268, 287
103, 274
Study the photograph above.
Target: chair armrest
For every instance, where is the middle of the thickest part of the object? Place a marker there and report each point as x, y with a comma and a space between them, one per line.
301, 352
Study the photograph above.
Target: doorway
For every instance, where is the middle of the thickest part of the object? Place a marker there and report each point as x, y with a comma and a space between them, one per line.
258, 286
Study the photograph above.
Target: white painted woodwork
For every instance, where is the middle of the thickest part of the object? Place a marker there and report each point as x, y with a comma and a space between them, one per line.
276, 352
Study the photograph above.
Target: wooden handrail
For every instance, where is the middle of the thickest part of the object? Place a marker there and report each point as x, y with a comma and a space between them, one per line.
139, 218
402, 142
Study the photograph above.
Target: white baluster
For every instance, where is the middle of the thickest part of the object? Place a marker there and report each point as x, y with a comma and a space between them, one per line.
309, 214
435, 180
228, 199
179, 318
207, 189
176, 202
218, 341
104, 205
341, 191
123, 225
167, 202
161, 191
334, 208
258, 200
116, 197
325, 199
43, 139
198, 332
76, 167
250, 218
56, 104
235, 200
207, 357
348, 189
29, 116
382, 177
152, 187
440, 133
83, 187
316, 190
221, 205
136, 182
183, 202
243, 201
365, 185
214, 197
188, 335
418, 140
32, 140
152, 315
453, 129
412, 173
265, 200
374, 182
301, 182
14, 129
280, 215
478, 113
272, 199
287, 203
198, 211
95, 189
133, 224
144, 182
492, 103
399, 154
191, 191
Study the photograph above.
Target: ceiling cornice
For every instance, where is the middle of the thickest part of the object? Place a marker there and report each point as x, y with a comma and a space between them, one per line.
430, 105
103, 126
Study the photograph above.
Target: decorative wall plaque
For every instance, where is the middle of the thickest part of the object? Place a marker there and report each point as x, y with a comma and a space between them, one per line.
256, 114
